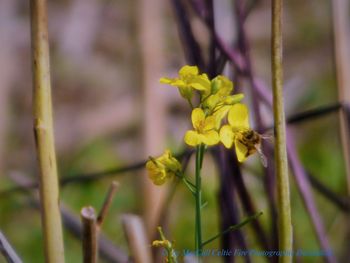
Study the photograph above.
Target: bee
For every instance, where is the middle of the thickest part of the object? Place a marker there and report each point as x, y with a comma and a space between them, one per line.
252, 140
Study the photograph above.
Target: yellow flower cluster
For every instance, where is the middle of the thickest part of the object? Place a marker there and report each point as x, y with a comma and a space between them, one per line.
215, 103
163, 168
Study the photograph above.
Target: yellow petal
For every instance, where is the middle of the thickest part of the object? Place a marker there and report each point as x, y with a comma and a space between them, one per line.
226, 136
238, 116
155, 173
158, 178
188, 70
150, 165
197, 117
170, 162
234, 98
241, 151
166, 80
201, 83
173, 82
220, 114
192, 138
209, 123
178, 83
211, 101
210, 138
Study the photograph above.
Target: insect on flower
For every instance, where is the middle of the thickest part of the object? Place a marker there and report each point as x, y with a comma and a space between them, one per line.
239, 133
252, 141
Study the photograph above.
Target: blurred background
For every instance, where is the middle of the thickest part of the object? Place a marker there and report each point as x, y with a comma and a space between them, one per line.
110, 111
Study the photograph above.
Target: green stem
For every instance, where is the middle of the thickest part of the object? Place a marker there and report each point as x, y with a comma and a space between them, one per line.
189, 186
233, 228
284, 211
198, 197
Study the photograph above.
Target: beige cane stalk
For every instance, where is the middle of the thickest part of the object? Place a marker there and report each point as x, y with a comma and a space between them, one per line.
43, 128
284, 212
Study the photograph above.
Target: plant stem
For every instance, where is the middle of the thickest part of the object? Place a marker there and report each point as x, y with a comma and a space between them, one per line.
89, 234
198, 197
284, 212
233, 228
43, 128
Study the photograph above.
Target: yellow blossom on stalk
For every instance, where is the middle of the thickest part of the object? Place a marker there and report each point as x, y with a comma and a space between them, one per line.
163, 168
220, 88
189, 79
171, 254
204, 129
239, 133
161, 243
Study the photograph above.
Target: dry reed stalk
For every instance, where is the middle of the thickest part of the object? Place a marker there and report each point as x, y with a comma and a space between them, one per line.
285, 233
342, 61
139, 245
43, 128
154, 108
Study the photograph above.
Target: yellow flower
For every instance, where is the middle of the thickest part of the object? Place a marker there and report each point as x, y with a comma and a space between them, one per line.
238, 132
220, 87
204, 129
163, 168
189, 79
171, 254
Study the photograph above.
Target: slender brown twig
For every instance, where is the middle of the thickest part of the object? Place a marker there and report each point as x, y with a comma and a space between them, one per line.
89, 235
107, 203
92, 225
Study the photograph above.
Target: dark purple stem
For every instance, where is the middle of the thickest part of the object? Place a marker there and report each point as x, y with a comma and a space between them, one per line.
211, 67
228, 207
246, 200
190, 45
305, 191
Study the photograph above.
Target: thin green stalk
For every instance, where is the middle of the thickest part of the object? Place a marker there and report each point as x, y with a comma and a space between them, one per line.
43, 128
285, 234
233, 228
198, 197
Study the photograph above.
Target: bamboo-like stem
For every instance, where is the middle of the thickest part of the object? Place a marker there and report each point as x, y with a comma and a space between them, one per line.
342, 55
284, 212
43, 128
89, 234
